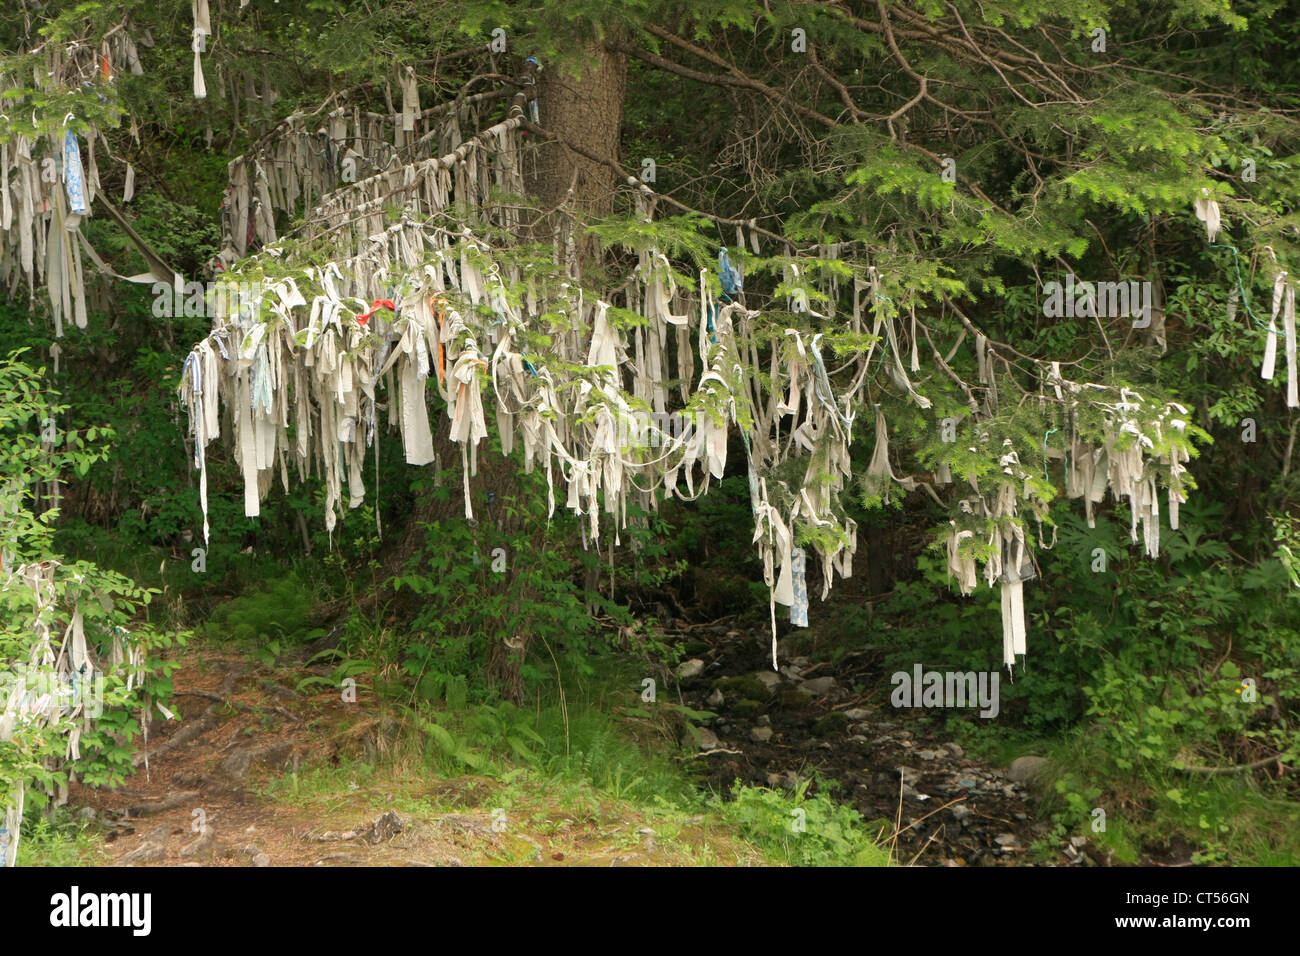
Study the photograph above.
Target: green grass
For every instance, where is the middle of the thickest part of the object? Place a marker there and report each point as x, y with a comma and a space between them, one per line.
1223, 819
64, 842
601, 761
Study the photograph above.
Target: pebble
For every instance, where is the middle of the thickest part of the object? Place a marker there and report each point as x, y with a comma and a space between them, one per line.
708, 739
764, 720
716, 699
909, 774
768, 679
760, 735
692, 668
857, 714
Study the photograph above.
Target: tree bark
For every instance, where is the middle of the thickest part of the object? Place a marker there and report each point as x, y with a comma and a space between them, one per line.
582, 104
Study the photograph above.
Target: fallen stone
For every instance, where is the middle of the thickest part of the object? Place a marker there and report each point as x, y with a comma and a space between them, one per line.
819, 685
760, 734
1027, 769
261, 860
716, 699
857, 713
708, 740
768, 679
692, 668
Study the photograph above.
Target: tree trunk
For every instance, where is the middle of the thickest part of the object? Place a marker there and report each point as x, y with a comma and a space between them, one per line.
584, 108
582, 104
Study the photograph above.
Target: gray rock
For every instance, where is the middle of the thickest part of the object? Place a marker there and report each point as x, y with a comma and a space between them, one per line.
763, 720
692, 668
857, 713
86, 813
708, 739
960, 812
261, 860
928, 754
760, 735
1027, 769
818, 685
768, 679
716, 699
1007, 840
955, 750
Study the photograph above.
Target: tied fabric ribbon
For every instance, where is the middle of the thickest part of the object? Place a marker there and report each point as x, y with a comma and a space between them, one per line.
375, 306
799, 608
73, 175
199, 44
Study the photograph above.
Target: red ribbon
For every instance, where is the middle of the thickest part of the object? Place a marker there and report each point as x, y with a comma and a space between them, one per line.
364, 317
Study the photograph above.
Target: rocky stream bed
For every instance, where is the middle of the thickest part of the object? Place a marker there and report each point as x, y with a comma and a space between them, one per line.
774, 729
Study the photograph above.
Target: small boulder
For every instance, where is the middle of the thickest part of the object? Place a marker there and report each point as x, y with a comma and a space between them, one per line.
818, 685
1025, 770
760, 735
707, 739
692, 668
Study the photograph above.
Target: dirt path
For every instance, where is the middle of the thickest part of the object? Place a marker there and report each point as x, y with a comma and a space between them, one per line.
200, 800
